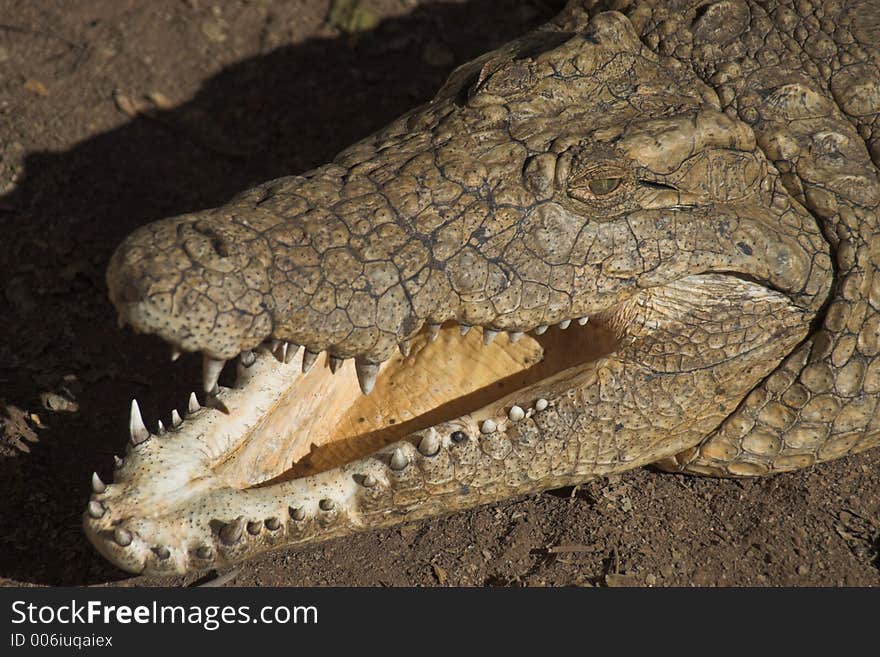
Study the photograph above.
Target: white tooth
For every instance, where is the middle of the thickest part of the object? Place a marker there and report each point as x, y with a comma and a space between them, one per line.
430, 444
122, 536
175, 354
489, 335
399, 459
292, 351
247, 358
160, 429
97, 485
464, 328
136, 427
516, 413
405, 348
96, 509
309, 358
541, 404
273, 345
564, 324
488, 426
433, 331
193, 405
211, 369
541, 329
117, 461
366, 374
176, 420
583, 320
281, 352
335, 363
515, 336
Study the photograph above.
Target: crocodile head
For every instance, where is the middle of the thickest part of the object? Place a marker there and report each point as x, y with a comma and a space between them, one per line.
570, 180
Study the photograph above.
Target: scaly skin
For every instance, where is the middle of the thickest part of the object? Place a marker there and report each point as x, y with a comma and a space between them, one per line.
696, 178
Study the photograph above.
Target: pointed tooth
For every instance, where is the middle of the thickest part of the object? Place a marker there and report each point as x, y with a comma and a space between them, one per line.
122, 536
464, 329
297, 513
515, 336
516, 413
366, 374
309, 358
136, 427
335, 363
193, 404
176, 420
211, 368
230, 533
488, 426
541, 329
405, 348
117, 461
489, 336
97, 485
160, 428
175, 354
564, 324
430, 444
399, 459
433, 331
281, 352
273, 524
369, 481
240, 373
583, 320
96, 509
292, 351
273, 345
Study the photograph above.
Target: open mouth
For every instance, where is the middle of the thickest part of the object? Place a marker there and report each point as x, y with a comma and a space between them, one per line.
323, 421
256, 463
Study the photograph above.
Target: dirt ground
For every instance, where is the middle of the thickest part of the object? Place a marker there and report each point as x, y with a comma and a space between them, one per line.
114, 113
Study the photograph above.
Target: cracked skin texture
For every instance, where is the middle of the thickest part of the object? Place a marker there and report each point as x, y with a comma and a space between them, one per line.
700, 179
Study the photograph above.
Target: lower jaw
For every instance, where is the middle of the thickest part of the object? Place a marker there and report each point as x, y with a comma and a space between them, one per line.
302, 458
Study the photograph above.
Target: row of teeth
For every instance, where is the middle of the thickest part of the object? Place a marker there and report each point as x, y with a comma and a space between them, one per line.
232, 532
366, 371
285, 352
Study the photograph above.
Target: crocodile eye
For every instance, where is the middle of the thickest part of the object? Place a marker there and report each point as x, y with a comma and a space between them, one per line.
604, 186
596, 189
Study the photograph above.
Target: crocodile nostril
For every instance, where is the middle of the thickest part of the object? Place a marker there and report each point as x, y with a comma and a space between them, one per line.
218, 243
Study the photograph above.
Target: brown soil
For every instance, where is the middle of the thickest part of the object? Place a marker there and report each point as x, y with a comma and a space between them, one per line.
114, 113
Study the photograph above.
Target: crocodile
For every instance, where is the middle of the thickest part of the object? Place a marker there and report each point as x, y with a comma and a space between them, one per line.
643, 234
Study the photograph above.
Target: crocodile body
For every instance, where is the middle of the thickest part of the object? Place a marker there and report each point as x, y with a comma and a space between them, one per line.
684, 192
